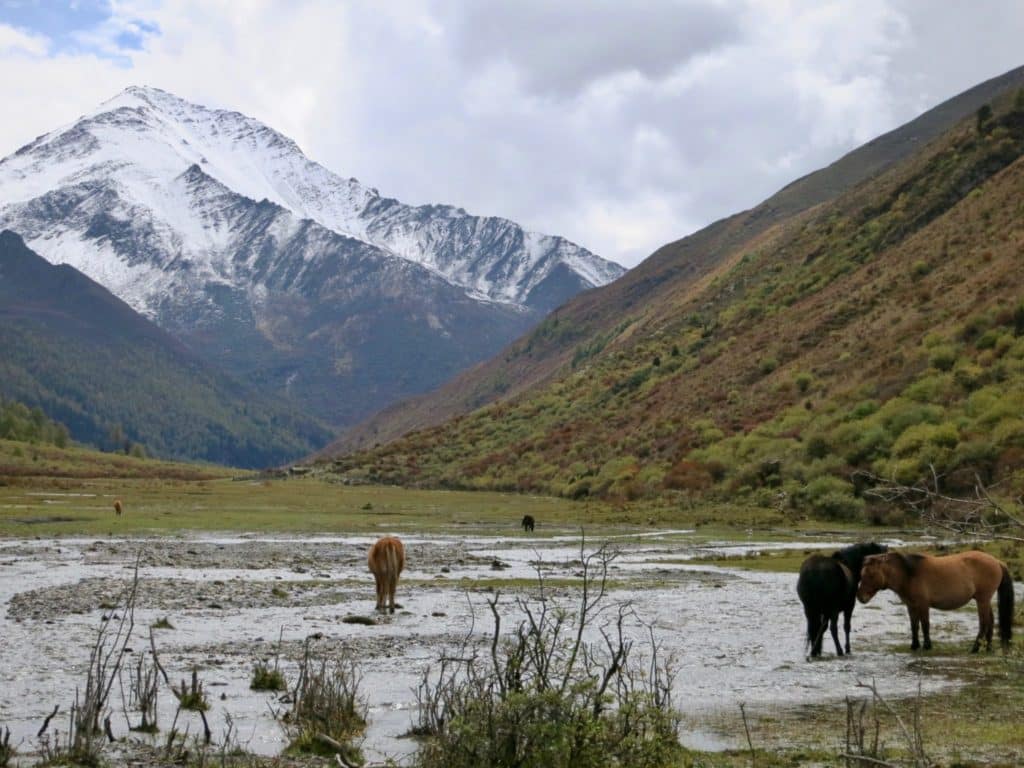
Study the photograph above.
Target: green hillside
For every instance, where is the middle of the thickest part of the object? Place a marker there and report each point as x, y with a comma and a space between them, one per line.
592, 318
883, 331
114, 379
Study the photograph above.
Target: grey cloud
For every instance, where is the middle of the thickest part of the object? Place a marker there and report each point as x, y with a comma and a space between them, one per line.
561, 47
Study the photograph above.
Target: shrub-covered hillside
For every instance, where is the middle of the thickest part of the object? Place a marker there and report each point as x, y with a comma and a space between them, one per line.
20, 423
883, 332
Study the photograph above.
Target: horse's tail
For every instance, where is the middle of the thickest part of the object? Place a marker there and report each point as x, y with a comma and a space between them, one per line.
391, 557
817, 621
1005, 607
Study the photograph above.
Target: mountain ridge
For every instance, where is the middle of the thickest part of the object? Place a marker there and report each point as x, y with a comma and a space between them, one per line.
673, 268
880, 333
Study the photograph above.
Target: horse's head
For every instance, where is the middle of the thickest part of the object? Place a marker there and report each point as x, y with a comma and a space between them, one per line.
873, 577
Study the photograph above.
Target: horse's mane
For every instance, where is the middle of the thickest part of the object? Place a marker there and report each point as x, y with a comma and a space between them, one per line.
853, 555
909, 561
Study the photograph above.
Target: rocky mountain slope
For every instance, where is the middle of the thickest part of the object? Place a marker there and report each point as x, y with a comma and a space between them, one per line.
92, 363
782, 355
298, 281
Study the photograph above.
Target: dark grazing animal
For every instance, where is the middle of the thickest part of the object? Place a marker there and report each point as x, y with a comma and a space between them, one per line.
117, 506
528, 522
827, 585
386, 561
947, 583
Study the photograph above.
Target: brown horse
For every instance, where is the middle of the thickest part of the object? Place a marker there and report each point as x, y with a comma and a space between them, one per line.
386, 561
947, 583
117, 506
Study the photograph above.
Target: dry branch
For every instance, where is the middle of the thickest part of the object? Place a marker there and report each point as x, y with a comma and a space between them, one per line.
979, 515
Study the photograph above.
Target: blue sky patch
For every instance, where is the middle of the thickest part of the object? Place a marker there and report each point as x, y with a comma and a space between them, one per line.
78, 26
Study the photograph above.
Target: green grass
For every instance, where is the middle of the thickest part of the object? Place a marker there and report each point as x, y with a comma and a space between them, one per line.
975, 724
265, 678
49, 491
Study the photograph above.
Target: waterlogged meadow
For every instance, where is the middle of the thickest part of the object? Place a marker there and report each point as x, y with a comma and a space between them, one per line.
240, 575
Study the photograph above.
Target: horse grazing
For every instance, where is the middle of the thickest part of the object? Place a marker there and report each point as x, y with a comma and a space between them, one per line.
386, 561
528, 522
827, 585
117, 506
947, 583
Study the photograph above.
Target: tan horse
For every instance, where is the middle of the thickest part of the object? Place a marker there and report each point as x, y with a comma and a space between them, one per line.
947, 583
117, 506
386, 561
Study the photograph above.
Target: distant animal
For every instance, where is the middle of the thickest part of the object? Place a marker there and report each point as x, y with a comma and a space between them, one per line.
528, 522
947, 583
386, 561
117, 506
827, 585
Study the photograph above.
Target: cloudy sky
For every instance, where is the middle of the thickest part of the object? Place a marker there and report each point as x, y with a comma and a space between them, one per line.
621, 125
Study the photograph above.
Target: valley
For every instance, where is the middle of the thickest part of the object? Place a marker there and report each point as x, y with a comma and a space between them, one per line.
246, 568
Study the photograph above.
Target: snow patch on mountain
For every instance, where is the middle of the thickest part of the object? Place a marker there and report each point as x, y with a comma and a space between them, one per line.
147, 156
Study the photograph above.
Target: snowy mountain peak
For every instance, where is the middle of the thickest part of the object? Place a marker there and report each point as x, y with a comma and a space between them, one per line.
136, 144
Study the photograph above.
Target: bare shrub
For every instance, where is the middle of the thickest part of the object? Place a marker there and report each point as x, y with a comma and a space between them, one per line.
84, 740
144, 685
7, 752
328, 711
865, 723
546, 696
981, 514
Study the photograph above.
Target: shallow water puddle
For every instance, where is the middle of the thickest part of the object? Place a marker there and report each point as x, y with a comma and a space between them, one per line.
736, 636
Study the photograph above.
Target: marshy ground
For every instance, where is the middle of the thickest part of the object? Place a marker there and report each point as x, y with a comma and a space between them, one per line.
720, 600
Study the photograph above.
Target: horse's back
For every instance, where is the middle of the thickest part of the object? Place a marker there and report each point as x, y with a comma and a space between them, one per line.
822, 582
980, 568
387, 554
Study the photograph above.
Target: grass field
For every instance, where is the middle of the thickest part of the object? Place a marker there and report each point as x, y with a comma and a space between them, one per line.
49, 491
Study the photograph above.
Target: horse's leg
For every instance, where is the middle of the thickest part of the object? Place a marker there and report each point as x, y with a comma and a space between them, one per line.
833, 625
914, 622
991, 625
814, 630
925, 628
985, 622
380, 591
847, 613
392, 586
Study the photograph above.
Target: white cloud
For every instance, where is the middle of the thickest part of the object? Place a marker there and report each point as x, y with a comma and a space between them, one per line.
15, 43
619, 125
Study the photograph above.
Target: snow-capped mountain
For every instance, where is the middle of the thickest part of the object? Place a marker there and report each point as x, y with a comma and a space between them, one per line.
222, 231
141, 143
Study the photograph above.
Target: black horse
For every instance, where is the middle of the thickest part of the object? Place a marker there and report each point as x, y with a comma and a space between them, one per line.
828, 585
527, 523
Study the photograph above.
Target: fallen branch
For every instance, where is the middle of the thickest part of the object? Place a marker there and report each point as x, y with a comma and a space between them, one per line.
981, 515
46, 722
